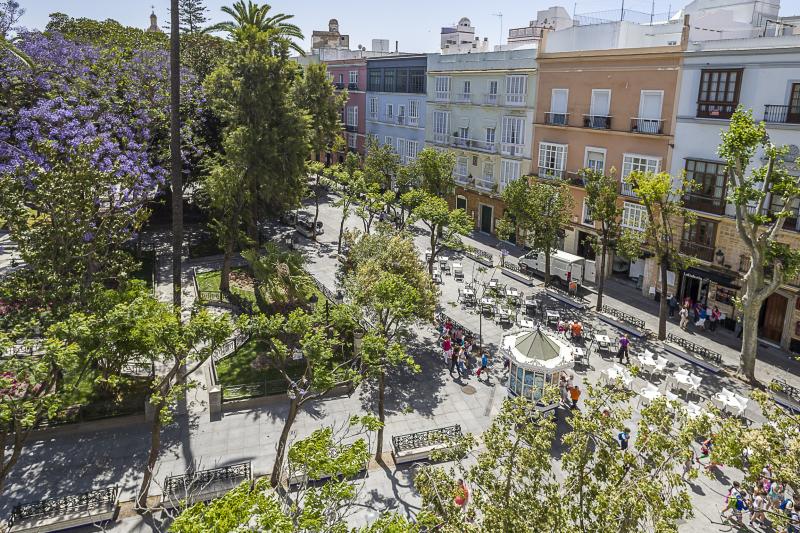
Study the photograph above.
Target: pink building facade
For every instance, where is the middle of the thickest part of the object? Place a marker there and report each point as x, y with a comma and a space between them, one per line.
351, 75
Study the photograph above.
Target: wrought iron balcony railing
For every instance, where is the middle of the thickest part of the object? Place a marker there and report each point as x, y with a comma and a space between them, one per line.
597, 122
782, 114
651, 126
556, 119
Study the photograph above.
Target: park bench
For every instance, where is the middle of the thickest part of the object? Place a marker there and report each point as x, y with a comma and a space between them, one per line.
203, 485
74, 510
300, 476
629, 324
693, 353
785, 395
417, 446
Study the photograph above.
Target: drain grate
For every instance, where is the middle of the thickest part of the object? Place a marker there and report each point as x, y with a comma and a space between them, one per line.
468, 389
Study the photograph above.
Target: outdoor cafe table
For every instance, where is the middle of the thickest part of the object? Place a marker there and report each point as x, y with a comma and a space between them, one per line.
468, 292
527, 323
603, 342
488, 303
512, 293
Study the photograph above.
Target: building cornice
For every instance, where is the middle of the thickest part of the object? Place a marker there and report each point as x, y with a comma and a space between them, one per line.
665, 52
486, 71
653, 136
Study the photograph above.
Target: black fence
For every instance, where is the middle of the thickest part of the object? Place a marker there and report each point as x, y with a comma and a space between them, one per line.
197, 480
625, 317
268, 387
421, 439
779, 385
326, 292
468, 333
695, 349
230, 346
480, 256
86, 501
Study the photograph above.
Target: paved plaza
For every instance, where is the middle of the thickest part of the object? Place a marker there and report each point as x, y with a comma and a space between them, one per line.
72, 460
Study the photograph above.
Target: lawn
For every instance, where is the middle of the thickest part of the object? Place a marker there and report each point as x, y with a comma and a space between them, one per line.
209, 281
236, 369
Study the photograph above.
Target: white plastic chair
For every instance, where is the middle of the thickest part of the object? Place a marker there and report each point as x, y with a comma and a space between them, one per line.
670, 396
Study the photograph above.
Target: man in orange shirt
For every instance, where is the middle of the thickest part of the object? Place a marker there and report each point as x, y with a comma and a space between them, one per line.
574, 394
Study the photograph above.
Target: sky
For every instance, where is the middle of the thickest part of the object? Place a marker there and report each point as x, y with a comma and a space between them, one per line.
414, 23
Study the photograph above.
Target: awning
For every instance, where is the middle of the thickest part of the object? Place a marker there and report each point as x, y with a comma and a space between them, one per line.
716, 277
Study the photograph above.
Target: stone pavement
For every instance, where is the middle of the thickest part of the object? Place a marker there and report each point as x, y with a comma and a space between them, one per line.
93, 457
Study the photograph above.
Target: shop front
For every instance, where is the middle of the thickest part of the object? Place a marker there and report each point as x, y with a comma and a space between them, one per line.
712, 288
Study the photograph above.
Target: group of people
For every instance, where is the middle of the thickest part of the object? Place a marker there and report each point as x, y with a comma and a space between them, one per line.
457, 346
572, 329
701, 315
570, 392
764, 497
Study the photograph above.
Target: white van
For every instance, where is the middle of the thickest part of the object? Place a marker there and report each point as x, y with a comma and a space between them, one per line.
560, 263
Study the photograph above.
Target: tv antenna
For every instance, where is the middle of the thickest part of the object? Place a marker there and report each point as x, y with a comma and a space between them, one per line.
499, 15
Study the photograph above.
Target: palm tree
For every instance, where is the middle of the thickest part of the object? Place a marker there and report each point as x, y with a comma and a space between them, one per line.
281, 280
257, 16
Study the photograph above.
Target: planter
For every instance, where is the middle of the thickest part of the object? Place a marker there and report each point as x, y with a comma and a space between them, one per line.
484, 258
517, 275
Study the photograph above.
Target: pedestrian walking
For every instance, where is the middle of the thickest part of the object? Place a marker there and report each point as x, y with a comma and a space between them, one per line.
461, 497
734, 496
673, 304
484, 364
757, 508
624, 341
462, 359
563, 388
684, 314
624, 437
688, 464
454, 359
739, 327
574, 394
715, 317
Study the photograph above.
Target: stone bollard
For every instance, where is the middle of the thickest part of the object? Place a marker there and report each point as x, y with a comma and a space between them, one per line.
215, 401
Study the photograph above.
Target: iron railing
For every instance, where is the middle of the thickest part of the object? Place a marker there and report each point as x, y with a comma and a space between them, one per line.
556, 119
441, 138
551, 173
597, 122
491, 99
515, 99
442, 96
421, 439
782, 114
701, 251
486, 184
463, 98
702, 202
716, 109
625, 317
651, 126
183, 484
514, 150
352, 86
695, 349
87, 501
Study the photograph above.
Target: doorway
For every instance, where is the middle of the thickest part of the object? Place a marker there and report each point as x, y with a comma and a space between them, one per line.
695, 288
487, 214
770, 320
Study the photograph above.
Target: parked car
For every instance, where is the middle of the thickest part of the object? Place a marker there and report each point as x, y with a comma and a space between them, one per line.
305, 227
560, 264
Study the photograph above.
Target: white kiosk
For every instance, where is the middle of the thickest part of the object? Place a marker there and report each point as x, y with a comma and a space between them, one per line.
536, 359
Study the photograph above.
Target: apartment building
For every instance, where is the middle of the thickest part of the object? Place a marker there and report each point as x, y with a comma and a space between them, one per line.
396, 103
613, 111
762, 74
480, 106
351, 74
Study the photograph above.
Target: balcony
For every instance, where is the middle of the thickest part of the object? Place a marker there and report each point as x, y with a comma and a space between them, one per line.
401, 120
491, 99
483, 146
515, 100
701, 251
551, 173
352, 86
461, 179
626, 189
463, 98
413, 121
782, 114
339, 85
597, 122
575, 179
514, 150
372, 116
486, 184
442, 96
556, 119
441, 138
649, 126
708, 204
716, 109
459, 142
352, 128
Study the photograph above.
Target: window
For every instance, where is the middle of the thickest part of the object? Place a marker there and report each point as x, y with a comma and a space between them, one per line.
461, 167
407, 150
586, 217
595, 159
352, 115
513, 136
353, 77
401, 114
718, 94
388, 141
491, 97
699, 238
463, 133
461, 202
552, 160
373, 108
509, 171
374, 80
401, 83
649, 120
490, 135
389, 111
413, 112
467, 87
515, 89
442, 88
709, 181
641, 163
416, 80
352, 140
558, 108
388, 80
634, 216
441, 126
474, 160
341, 79
599, 110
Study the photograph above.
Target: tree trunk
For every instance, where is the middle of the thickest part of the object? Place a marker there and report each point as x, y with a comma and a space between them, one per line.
19, 440
381, 414
316, 208
546, 268
225, 274
432, 260
175, 154
277, 467
662, 304
747, 357
341, 232
152, 458
602, 281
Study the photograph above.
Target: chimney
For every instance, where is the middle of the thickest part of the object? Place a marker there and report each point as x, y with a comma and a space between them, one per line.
396, 47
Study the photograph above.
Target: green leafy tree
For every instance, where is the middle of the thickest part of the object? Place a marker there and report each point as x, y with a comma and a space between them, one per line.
283, 284
666, 218
433, 171
540, 210
345, 179
763, 197
327, 353
192, 15
70, 222
385, 278
601, 200
253, 16
329, 452
179, 348
446, 227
